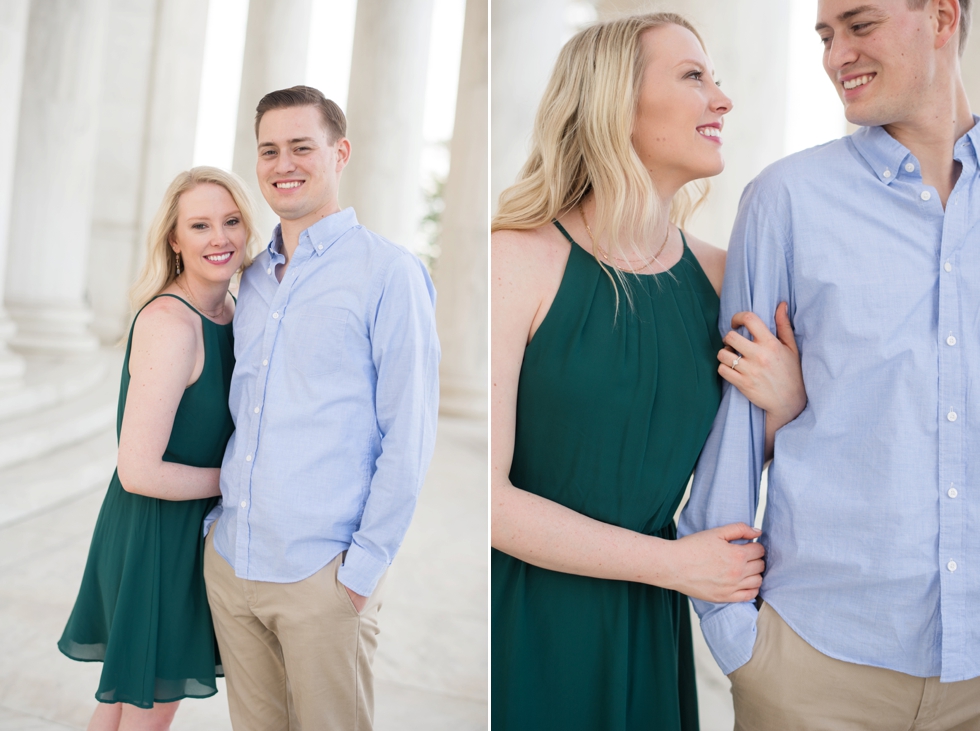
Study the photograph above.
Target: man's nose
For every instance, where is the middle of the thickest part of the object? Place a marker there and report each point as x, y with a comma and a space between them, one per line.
840, 53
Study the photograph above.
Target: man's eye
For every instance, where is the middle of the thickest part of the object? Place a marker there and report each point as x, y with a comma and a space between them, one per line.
860, 27
267, 153
825, 40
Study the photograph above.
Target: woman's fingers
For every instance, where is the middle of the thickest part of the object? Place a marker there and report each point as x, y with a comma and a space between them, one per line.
784, 328
754, 324
739, 342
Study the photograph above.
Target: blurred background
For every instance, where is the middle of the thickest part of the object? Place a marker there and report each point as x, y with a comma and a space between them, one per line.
769, 60
104, 102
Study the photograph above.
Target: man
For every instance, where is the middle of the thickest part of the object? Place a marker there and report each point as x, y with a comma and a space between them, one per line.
872, 524
334, 396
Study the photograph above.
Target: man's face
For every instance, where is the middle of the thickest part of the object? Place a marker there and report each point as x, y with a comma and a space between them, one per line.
298, 166
880, 57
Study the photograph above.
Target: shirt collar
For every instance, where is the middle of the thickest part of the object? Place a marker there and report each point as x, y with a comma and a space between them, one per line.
886, 155
322, 235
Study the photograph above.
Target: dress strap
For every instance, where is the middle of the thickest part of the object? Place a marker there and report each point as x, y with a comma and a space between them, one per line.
563, 231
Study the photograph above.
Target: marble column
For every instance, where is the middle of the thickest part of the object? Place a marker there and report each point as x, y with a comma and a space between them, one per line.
115, 241
384, 111
743, 38
52, 211
171, 116
276, 42
970, 64
461, 269
526, 39
13, 38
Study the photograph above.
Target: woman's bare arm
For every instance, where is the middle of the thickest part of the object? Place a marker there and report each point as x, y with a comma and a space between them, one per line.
526, 270
165, 357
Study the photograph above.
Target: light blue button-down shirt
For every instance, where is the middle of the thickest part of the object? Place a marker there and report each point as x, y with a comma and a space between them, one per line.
334, 397
872, 524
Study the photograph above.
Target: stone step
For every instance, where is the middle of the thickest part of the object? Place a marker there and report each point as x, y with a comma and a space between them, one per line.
74, 416
52, 480
49, 381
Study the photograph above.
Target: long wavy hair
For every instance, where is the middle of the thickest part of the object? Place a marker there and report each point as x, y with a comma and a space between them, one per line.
160, 267
581, 143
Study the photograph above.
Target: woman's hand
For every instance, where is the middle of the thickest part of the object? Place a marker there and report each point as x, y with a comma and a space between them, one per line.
708, 566
767, 368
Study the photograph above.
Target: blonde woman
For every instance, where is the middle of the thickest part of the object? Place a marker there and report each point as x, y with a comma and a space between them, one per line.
605, 354
142, 609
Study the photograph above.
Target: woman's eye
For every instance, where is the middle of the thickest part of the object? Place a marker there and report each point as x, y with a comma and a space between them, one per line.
696, 75
232, 222
199, 226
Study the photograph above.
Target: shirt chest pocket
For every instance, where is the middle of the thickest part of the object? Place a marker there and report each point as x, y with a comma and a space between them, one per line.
315, 340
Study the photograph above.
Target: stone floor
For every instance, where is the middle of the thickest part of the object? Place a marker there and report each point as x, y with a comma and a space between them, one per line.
432, 659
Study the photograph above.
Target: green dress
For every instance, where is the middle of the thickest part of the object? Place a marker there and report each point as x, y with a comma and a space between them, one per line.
612, 412
142, 608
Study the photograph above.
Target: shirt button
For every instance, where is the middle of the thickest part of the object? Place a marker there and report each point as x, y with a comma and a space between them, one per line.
887, 173
265, 362
269, 270
256, 409
275, 315
925, 195
950, 340
909, 167
320, 247
244, 504
951, 565
951, 416
952, 492
248, 458
948, 267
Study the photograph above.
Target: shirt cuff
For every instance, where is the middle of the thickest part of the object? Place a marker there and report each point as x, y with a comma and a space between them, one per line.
730, 633
361, 571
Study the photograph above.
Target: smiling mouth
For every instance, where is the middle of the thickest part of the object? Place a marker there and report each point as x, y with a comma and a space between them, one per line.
712, 132
219, 258
290, 184
856, 82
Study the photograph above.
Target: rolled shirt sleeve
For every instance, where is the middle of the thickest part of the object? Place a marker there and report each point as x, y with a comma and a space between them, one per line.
729, 470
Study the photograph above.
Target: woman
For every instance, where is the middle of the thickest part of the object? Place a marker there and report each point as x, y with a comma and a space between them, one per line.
604, 357
142, 608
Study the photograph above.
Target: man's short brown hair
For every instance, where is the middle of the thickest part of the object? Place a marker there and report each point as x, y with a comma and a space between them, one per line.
964, 18
333, 117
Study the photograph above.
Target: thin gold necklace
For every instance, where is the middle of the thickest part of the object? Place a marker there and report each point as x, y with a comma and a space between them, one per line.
647, 263
200, 309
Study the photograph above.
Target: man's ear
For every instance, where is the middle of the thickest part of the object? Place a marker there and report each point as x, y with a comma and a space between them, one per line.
946, 21
343, 153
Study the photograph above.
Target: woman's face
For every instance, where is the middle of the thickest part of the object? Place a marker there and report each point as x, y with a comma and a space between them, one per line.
677, 129
210, 234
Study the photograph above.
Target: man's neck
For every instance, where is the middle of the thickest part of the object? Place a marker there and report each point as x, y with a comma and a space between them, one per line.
291, 229
932, 137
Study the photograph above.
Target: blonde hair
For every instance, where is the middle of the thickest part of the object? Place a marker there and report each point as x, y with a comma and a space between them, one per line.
581, 143
160, 267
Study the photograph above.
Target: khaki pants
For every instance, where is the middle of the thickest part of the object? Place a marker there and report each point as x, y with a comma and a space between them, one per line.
296, 656
789, 686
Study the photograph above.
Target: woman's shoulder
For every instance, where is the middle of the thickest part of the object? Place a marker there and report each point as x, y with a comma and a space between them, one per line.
168, 317
710, 257
540, 250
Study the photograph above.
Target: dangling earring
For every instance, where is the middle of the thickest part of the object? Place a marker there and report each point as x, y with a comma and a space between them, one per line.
177, 261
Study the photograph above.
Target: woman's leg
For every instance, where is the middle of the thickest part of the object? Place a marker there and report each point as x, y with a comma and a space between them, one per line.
157, 718
106, 717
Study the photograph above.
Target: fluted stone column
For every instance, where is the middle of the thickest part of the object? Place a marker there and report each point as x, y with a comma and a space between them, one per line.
171, 118
115, 243
461, 269
743, 38
51, 220
525, 43
13, 38
385, 110
970, 63
276, 43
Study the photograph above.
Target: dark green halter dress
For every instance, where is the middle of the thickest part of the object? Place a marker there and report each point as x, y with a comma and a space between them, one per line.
142, 608
612, 412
